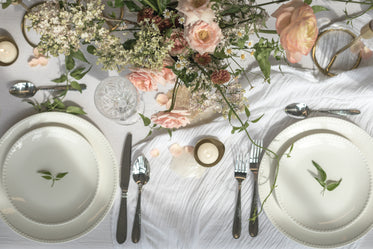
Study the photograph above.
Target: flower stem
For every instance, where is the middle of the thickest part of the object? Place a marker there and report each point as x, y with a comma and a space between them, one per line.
267, 31
276, 157
174, 93
268, 3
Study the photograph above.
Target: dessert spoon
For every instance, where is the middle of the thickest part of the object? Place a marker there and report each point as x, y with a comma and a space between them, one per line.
301, 110
26, 89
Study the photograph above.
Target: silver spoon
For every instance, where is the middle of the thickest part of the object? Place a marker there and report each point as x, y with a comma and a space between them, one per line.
140, 173
26, 89
301, 110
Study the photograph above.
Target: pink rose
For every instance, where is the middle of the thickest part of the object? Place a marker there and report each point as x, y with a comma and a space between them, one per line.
203, 37
147, 80
144, 79
173, 119
297, 26
180, 44
167, 73
195, 10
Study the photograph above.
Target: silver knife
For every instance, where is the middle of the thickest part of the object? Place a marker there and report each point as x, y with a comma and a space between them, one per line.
124, 181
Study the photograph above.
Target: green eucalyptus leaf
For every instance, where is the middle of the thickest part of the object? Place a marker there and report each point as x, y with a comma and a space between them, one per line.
74, 84
257, 120
333, 184
47, 177
132, 6
145, 120
61, 175
247, 111
75, 110
46, 172
320, 170
91, 49
61, 79
69, 62
78, 73
58, 103
322, 183
317, 8
78, 55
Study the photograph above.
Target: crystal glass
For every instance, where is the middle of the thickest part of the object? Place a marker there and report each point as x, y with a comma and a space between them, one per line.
116, 98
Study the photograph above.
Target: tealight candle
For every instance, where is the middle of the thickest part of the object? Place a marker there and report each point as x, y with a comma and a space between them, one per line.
208, 153
8, 52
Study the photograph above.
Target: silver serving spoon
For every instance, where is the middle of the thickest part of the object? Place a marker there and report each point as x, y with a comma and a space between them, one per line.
140, 173
26, 89
301, 110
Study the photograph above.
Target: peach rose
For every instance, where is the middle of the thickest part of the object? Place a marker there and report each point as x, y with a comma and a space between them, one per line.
297, 26
167, 73
173, 119
195, 10
203, 37
144, 79
147, 80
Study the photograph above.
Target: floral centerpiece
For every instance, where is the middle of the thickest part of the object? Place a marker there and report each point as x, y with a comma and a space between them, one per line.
198, 46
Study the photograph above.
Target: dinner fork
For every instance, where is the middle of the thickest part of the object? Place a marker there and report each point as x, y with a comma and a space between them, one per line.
240, 171
255, 153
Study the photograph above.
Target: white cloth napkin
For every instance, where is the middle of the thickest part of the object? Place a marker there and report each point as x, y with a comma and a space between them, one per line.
196, 213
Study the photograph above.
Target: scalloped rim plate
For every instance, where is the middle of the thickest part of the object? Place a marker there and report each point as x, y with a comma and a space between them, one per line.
278, 215
101, 202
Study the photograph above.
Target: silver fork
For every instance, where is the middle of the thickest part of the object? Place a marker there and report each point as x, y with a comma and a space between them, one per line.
254, 166
240, 171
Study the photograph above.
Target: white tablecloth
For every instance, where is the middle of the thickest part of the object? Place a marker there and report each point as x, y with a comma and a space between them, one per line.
188, 212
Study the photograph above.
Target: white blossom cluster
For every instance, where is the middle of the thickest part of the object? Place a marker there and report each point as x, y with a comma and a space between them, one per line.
63, 26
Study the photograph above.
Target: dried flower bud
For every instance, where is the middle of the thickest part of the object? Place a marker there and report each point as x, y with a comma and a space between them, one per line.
202, 59
220, 77
145, 13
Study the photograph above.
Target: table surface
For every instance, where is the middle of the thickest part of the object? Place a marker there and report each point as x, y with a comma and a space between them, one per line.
13, 110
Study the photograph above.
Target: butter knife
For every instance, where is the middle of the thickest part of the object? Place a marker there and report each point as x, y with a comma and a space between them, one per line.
124, 181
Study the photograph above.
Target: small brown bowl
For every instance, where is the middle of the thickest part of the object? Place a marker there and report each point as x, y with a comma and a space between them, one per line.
220, 146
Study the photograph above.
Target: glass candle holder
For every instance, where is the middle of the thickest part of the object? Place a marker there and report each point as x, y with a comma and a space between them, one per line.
116, 98
208, 152
8, 51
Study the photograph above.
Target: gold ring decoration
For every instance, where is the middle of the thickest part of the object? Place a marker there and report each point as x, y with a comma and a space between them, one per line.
8, 39
23, 27
326, 70
112, 26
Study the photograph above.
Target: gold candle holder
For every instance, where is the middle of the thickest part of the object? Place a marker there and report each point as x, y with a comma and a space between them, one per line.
8, 51
208, 152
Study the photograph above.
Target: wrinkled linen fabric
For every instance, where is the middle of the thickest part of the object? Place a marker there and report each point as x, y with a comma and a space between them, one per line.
180, 212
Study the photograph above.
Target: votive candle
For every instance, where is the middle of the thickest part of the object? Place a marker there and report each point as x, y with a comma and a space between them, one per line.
208, 153
8, 52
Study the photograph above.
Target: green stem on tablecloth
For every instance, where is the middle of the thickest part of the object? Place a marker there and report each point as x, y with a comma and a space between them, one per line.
267, 31
276, 157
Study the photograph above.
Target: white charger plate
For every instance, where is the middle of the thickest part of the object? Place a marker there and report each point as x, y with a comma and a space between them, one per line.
56, 150
296, 207
71, 225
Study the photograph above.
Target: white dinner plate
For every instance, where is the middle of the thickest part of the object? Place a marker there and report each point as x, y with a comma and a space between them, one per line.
297, 206
98, 180
41, 196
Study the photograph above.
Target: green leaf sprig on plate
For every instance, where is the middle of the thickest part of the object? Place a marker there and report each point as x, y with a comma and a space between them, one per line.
329, 185
49, 176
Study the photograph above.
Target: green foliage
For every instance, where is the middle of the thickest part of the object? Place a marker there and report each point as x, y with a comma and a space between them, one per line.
49, 176
329, 185
317, 8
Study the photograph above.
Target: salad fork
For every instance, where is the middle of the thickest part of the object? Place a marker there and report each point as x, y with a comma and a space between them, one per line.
240, 171
255, 153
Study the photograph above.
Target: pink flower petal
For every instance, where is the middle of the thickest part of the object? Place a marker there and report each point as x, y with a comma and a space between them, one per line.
36, 52
162, 99
154, 152
33, 62
43, 61
175, 150
189, 149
